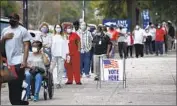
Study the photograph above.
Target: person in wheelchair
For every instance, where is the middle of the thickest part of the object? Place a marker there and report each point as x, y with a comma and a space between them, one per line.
37, 61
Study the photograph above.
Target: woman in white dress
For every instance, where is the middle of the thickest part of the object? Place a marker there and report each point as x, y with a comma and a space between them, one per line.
59, 50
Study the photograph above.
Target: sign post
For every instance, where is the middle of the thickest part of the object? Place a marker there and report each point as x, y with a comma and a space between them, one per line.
112, 70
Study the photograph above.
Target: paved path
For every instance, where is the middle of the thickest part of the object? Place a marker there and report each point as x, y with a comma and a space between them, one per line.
150, 81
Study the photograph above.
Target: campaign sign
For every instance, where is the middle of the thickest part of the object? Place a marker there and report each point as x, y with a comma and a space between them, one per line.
111, 70
146, 18
117, 23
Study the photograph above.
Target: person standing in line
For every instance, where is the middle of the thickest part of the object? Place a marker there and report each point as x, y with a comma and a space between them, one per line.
59, 50
159, 40
148, 42
46, 39
122, 43
171, 35
114, 37
72, 63
102, 47
86, 45
152, 30
138, 34
164, 27
129, 44
17, 40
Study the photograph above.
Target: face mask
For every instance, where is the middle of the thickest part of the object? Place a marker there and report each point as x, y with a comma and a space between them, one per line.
83, 28
58, 30
137, 27
158, 26
34, 49
44, 30
99, 33
13, 23
76, 28
68, 31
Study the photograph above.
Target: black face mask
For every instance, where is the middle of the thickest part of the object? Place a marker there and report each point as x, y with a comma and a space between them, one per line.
76, 28
111, 28
13, 23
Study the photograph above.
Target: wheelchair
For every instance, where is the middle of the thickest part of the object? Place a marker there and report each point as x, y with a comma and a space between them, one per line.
47, 84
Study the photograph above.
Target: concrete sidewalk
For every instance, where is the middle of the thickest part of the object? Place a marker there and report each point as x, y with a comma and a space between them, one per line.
150, 81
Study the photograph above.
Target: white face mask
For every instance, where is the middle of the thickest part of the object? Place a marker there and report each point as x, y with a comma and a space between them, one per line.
158, 26
34, 49
68, 31
83, 28
58, 30
137, 27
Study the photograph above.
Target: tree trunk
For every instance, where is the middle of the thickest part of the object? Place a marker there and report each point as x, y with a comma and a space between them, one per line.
131, 7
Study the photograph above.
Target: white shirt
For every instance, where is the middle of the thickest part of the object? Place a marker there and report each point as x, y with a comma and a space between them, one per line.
147, 34
153, 32
128, 40
47, 40
36, 60
14, 46
138, 36
59, 46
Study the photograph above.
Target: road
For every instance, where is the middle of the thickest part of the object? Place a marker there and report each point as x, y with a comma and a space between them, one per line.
150, 81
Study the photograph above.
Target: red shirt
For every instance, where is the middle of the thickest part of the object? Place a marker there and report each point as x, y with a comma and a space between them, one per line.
159, 35
114, 34
73, 43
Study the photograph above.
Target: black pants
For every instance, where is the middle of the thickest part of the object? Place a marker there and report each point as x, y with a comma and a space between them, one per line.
139, 48
129, 48
153, 46
122, 49
148, 45
166, 43
91, 59
15, 87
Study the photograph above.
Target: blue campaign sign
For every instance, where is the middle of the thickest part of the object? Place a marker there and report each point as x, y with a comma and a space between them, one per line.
145, 17
117, 23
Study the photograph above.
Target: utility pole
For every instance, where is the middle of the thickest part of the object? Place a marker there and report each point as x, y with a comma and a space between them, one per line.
83, 10
25, 13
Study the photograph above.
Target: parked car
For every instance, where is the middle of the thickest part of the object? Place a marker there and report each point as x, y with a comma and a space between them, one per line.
4, 22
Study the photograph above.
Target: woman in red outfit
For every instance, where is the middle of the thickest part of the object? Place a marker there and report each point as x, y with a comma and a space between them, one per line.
72, 64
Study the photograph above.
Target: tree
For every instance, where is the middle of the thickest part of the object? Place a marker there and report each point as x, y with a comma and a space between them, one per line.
70, 11
113, 9
8, 7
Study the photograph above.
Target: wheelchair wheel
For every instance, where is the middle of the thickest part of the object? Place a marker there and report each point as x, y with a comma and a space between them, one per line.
50, 85
45, 94
45, 90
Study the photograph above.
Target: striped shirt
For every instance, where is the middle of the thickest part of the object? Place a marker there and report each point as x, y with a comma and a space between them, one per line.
86, 40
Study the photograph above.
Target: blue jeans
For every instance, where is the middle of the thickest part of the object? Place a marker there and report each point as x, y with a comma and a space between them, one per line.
159, 47
85, 63
38, 82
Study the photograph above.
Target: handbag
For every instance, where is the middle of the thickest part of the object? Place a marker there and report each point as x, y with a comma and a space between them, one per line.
7, 73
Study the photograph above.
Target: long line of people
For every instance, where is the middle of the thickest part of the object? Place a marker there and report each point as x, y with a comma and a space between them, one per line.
71, 48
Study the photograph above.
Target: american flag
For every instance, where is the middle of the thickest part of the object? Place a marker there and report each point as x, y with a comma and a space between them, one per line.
110, 64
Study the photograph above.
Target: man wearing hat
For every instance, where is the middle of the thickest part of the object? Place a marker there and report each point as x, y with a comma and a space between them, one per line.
16, 39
